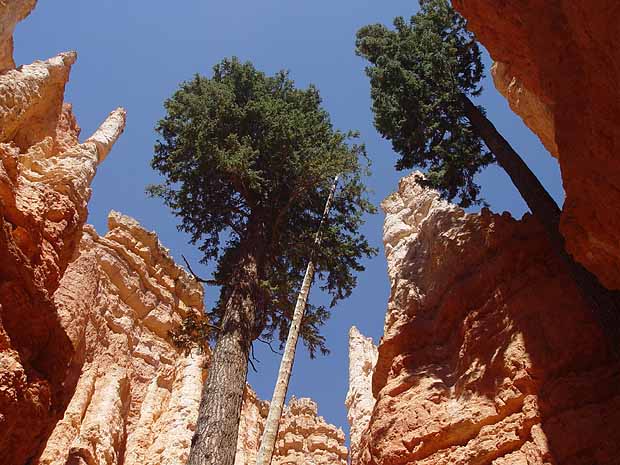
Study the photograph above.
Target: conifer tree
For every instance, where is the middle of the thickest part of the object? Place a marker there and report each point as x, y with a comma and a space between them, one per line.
422, 75
248, 162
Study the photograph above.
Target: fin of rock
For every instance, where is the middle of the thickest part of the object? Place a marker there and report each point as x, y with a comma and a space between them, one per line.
489, 354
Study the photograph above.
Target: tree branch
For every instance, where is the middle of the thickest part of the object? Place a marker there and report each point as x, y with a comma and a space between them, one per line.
270, 346
209, 282
253, 357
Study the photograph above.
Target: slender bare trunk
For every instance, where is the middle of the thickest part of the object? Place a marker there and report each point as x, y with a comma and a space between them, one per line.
272, 424
215, 439
603, 302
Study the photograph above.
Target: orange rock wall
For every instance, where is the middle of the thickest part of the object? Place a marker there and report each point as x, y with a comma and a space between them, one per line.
489, 355
45, 175
565, 53
136, 396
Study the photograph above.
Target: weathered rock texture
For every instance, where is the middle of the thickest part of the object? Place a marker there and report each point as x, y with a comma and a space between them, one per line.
11, 12
563, 55
136, 397
360, 401
535, 114
489, 355
305, 438
45, 174
253, 415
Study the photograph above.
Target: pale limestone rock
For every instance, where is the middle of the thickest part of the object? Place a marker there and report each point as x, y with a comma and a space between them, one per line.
359, 401
109, 131
137, 396
31, 100
11, 12
534, 113
253, 416
304, 438
489, 354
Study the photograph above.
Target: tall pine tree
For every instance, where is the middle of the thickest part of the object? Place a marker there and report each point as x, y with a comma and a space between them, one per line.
422, 74
248, 161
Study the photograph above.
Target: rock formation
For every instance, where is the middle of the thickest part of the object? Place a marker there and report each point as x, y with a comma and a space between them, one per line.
253, 415
489, 354
45, 174
359, 401
11, 12
305, 438
136, 397
535, 114
564, 54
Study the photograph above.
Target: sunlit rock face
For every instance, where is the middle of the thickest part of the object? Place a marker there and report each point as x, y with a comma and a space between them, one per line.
564, 54
11, 12
305, 438
360, 401
136, 396
535, 114
251, 426
489, 355
45, 177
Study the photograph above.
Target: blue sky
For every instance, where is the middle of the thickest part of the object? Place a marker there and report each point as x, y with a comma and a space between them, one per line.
134, 54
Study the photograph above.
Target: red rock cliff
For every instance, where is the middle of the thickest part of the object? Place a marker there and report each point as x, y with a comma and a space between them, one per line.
564, 54
45, 175
489, 354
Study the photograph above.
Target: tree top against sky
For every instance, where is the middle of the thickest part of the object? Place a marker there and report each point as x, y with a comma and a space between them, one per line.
250, 158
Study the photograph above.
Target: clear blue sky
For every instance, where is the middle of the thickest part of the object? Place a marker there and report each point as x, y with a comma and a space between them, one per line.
134, 54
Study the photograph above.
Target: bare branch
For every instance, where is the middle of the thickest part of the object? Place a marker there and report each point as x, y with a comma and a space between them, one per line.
270, 346
209, 282
253, 357
252, 365
216, 328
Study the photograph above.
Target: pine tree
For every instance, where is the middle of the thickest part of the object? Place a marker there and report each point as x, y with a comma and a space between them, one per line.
422, 74
248, 160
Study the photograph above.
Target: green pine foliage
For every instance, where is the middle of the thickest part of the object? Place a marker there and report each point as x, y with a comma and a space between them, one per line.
417, 72
246, 155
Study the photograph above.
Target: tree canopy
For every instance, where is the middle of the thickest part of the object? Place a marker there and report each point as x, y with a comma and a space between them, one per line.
418, 71
250, 158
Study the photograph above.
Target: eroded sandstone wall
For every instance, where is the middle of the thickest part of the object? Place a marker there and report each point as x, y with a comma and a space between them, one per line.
360, 400
136, 396
489, 354
305, 438
45, 174
564, 55
11, 12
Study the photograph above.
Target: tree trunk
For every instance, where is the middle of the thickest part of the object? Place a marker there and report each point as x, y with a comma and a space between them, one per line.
603, 302
272, 424
215, 439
